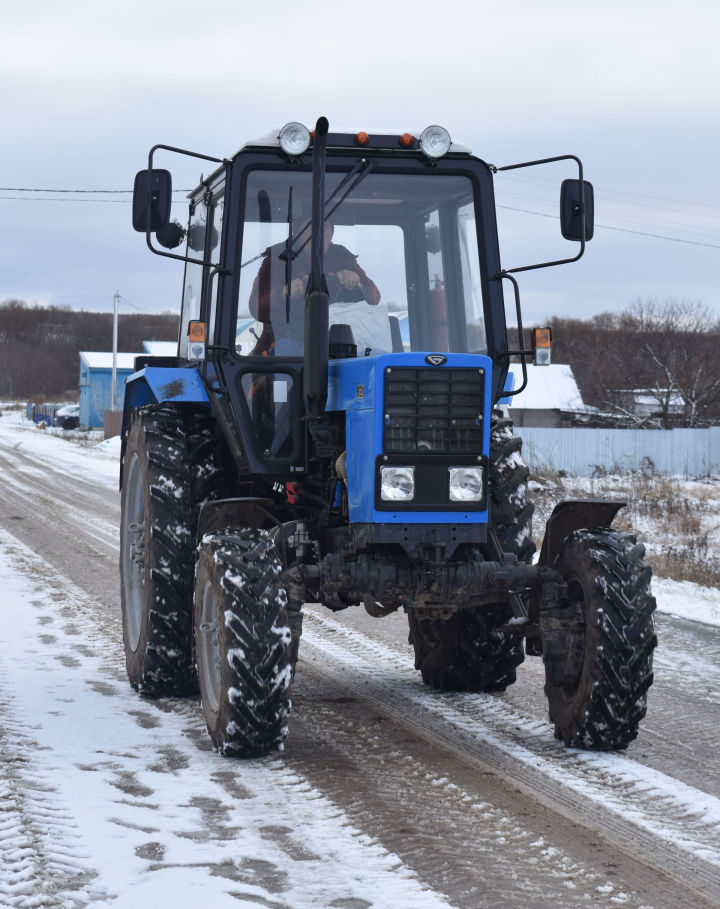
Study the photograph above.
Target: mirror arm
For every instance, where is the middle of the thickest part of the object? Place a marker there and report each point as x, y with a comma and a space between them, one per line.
148, 232
509, 271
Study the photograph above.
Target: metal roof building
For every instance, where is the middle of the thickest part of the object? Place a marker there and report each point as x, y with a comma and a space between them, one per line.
96, 384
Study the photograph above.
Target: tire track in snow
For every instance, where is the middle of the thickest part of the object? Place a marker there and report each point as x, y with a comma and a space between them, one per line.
151, 800
660, 820
42, 857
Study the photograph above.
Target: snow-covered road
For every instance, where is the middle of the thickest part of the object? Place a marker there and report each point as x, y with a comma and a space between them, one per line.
387, 794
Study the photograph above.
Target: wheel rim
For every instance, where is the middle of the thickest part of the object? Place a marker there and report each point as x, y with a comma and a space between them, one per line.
208, 649
133, 554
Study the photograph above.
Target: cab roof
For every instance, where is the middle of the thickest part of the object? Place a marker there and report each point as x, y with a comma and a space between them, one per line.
346, 137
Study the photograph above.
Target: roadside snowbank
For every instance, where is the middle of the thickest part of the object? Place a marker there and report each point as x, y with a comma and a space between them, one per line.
83, 457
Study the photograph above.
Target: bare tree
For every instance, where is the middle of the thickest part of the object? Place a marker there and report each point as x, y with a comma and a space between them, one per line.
656, 363
678, 363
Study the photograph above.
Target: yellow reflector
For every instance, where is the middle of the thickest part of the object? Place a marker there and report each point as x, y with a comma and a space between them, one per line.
541, 337
196, 332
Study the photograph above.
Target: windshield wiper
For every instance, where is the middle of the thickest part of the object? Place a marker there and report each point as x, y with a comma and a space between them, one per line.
288, 256
359, 172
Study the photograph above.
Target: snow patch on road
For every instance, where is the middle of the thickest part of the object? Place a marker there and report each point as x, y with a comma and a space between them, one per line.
653, 801
687, 601
106, 798
87, 461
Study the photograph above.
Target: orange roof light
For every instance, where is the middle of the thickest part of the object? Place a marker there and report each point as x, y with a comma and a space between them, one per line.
541, 337
406, 139
196, 332
362, 138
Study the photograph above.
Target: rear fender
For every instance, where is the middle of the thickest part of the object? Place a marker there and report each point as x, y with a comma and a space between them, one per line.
575, 514
155, 384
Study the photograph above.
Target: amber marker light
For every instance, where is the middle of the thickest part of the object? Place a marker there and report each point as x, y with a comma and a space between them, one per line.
196, 332
362, 138
541, 344
541, 337
406, 140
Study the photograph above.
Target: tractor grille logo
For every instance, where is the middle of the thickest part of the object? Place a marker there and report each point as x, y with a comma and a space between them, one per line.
436, 359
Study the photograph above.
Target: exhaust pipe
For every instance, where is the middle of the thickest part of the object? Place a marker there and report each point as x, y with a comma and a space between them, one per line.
315, 372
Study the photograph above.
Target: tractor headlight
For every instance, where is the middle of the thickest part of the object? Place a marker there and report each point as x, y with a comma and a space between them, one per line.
294, 139
466, 484
397, 484
435, 141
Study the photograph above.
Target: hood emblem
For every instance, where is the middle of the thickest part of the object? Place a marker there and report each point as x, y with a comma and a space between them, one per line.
436, 359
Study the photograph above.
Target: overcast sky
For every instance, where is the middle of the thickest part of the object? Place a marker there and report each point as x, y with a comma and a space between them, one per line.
630, 87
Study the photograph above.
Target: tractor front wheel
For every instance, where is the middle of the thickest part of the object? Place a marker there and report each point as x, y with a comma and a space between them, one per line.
243, 642
598, 645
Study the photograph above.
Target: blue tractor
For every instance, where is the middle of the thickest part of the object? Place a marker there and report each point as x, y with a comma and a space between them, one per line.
330, 432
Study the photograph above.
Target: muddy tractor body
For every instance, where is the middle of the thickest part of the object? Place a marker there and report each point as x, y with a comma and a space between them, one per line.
331, 431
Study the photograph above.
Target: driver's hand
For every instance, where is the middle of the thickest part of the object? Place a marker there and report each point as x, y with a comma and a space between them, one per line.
297, 286
349, 279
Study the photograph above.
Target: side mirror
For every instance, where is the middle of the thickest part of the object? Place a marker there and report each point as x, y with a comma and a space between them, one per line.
160, 194
571, 210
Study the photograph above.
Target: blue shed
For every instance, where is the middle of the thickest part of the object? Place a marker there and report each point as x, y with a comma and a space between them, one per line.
96, 384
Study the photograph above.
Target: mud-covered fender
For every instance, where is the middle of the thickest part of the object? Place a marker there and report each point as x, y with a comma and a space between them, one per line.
155, 384
575, 514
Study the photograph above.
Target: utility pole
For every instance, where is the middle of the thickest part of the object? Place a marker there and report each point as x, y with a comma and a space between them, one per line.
116, 301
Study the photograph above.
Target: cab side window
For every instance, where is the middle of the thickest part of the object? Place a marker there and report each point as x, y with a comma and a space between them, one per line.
192, 290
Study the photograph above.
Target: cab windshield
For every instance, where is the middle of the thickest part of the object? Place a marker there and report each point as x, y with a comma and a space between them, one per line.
401, 262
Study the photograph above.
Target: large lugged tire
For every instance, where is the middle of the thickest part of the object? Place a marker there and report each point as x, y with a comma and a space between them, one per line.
467, 652
598, 649
170, 468
243, 642
511, 513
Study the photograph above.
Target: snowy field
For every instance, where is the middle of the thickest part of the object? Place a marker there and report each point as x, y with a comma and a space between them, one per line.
109, 800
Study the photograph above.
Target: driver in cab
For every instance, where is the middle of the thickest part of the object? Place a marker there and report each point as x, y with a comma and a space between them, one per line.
283, 325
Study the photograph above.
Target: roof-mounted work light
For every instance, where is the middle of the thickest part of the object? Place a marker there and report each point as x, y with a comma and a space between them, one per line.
435, 141
294, 139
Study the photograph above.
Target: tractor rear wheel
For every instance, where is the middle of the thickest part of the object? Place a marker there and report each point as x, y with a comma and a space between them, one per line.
598, 648
170, 468
465, 652
468, 652
243, 642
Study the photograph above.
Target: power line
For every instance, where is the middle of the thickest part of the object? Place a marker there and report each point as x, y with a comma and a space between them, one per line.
133, 306
24, 189
50, 199
625, 230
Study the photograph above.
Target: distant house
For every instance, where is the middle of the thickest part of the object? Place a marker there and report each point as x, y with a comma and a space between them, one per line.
551, 398
160, 348
647, 403
96, 384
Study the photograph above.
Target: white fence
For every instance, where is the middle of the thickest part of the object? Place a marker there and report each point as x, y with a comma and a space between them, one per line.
580, 452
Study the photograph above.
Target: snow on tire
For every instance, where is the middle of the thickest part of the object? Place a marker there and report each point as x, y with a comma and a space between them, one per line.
465, 652
170, 468
511, 512
243, 642
598, 649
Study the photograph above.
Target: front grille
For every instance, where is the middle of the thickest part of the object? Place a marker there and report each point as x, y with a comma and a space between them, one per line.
433, 409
